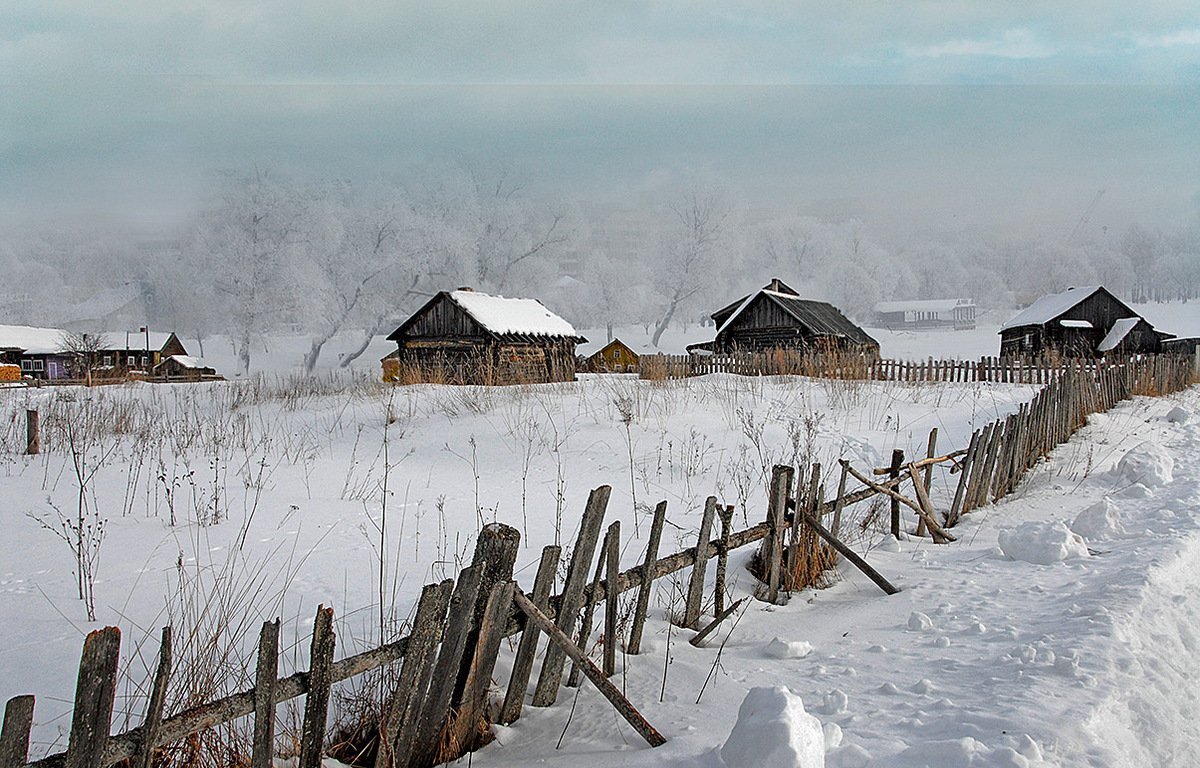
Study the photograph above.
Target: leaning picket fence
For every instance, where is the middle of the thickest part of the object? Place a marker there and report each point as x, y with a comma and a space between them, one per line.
441, 705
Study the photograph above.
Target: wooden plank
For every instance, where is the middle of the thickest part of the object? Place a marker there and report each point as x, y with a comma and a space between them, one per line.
725, 512
634, 646
470, 722
702, 635
611, 572
264, 695
926, 514
95, 691
695, 593
398, 726
852, 556
496, 553
930, 453
781, 489
320, 683
436, 709
518, 679
560, 640
590, 598
894, 473
546, 691
154, 708
14, 734
33, 440
840, 503
940, 535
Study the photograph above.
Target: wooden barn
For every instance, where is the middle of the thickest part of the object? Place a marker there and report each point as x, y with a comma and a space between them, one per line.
613, 357
466, 337
1079, 322
777, 318
185, 368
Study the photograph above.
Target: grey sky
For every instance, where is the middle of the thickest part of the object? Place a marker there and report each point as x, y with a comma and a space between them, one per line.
1006, 114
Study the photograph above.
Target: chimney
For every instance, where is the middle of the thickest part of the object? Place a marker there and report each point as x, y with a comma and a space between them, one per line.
775, 285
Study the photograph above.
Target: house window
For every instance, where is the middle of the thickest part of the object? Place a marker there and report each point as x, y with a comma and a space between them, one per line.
26, 365
144, 361
39, 365
108, 359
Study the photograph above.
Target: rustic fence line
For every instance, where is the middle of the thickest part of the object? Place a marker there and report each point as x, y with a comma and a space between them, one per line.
780, 362
441, 705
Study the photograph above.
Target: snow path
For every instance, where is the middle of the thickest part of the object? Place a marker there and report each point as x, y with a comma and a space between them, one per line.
981, 660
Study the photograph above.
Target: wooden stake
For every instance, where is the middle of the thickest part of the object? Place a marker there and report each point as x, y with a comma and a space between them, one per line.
33, 440
695, 594
726, 514
154, 708
711, 627
560, 640
893, 473
518, 680
589, 601
781, 490
14, 735
320, 682
472, 713
95, 692
634, 646
851, 555
265, 674
612, 572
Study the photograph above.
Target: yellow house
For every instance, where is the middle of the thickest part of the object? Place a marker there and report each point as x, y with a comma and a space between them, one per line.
613, 357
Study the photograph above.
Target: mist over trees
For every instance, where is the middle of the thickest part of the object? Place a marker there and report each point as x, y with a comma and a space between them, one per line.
345, 260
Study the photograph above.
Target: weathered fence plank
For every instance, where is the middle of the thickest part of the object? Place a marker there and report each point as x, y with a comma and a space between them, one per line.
695, 593
266, 670
320, 683
154, 707
95, 691
643, 597
518, 679
14, 734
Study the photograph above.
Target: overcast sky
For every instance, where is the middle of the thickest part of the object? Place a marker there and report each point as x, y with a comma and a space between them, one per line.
963, 112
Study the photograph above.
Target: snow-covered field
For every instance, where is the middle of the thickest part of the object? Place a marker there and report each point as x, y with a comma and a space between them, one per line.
982, 658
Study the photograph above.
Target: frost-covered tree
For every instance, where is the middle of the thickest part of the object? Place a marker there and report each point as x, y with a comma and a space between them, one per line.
690, 252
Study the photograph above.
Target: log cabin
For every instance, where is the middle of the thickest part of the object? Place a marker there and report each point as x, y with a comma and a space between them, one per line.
1079, 322
468, 337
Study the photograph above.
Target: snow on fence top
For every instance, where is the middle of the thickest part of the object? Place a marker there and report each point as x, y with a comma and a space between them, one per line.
1049, 307
502, 315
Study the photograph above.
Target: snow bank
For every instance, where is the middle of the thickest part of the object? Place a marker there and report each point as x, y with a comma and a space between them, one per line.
1146, 463
1100, 521
774, 731
1041, 543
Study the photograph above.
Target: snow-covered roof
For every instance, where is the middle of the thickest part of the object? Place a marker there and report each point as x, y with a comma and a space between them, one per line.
1118, 332
188, 361
502, 315
30, 339
1076, 323
924, 305
1049, 307
135, 339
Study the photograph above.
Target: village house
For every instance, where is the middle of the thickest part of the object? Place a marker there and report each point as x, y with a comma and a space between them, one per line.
185, 368
38, 351
777, 318
140, 351
467, 337
614, 357
958, 314
1079, 322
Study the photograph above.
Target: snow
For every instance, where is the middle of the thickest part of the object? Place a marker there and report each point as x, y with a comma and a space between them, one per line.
33, 340
981, 659
1179, 415
1076, 323
1118, 332
788, 649
502, 315
1041, 543
774, 731
188, 361
1049, 307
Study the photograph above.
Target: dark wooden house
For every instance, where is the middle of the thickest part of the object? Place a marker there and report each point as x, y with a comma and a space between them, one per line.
185, 368
466, 337
613, 357
38, 351
777, 318
1079, 322
139, 351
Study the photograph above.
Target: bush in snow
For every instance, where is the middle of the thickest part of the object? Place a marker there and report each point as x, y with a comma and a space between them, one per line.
1041, 543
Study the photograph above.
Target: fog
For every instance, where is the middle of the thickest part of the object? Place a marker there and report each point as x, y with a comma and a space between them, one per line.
926, 147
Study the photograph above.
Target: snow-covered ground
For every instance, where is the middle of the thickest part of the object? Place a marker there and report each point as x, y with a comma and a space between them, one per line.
982, 659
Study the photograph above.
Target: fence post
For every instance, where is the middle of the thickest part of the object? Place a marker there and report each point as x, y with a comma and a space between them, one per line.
95, 692
320, 682
643, 597
589, 612
14, 736
546, 691
154, 708
612, 570
265, 675
33, 440
781, 489
695, 594
518, 680
473, 709
894, 473
725, 512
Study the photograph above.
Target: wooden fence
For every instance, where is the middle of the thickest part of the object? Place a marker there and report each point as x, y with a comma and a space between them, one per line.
848, 366
441, 706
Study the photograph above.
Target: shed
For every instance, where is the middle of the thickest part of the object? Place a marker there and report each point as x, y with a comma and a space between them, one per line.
777, 318
467, 337
614, 357
185, 368
1079, 322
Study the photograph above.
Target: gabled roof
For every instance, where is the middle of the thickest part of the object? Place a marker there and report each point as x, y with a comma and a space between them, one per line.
721, 315
1051, 306
31, 340
611, 345
135, 340
819, 317
500, 316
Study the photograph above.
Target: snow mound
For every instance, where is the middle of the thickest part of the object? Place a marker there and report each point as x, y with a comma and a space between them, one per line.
1100, 521
919, 622
1179, 415
1041, 543
1148, 464
785, 649
774, 731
